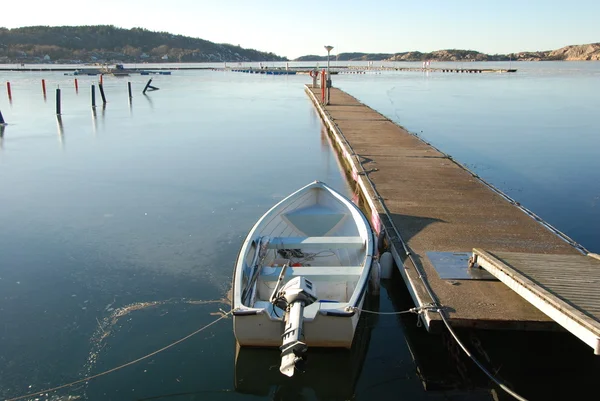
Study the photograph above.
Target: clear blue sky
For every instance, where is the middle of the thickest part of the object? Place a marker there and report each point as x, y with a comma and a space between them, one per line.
295, 28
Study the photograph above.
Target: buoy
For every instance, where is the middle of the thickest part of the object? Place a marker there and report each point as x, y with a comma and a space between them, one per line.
386, 262
374, 278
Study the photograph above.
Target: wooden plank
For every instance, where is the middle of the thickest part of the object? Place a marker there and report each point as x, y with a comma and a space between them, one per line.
518, 271
315, 242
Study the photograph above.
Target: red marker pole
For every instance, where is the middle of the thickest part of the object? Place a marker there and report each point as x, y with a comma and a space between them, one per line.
76, 86
44, 87
101, 82
8, 90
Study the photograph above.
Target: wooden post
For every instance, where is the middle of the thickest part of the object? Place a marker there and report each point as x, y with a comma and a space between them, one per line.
8, 90
44, 87
93, 95
129, 89
58, 101
147, 85
102, 93
76, 86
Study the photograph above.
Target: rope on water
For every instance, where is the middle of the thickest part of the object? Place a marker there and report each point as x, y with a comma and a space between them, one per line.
85, 379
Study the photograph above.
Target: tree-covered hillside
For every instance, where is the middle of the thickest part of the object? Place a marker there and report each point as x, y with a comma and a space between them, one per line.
106, 43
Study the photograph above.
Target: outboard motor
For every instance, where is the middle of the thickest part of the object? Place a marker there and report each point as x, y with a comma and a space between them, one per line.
293, 298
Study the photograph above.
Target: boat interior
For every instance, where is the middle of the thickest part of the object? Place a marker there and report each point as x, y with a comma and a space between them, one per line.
317, 239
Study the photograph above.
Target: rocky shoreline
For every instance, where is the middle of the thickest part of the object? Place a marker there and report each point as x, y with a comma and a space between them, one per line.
587, 52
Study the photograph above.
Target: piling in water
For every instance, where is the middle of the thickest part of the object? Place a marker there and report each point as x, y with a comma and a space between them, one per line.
58, 102
8, 90
147, 86
76, 86
2, 122
129, 89
44, 87
102, 93
93, 95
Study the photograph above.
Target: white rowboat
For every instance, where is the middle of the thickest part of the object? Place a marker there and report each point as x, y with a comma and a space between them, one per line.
302, 274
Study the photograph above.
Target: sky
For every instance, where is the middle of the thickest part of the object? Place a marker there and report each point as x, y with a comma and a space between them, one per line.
296, 28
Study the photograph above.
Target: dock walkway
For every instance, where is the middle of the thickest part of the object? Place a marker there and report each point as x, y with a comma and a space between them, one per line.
437, 205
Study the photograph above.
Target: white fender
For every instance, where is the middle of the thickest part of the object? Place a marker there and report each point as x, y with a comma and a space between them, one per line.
386, 262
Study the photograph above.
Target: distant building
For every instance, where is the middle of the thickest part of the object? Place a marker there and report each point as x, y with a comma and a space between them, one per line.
144, 55
165, 57
46, 58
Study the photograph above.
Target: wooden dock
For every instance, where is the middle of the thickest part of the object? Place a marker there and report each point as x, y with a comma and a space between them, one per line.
428, 203
565, 287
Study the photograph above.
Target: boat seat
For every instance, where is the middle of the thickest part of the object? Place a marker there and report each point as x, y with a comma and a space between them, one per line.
315, 273
315, 242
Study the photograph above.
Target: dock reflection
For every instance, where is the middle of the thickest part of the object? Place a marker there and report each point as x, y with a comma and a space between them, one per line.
330, 374
526, 361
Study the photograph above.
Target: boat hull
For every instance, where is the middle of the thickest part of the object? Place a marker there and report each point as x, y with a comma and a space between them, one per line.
317, 234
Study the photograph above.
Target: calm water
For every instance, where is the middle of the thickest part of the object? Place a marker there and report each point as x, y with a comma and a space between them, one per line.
120, 228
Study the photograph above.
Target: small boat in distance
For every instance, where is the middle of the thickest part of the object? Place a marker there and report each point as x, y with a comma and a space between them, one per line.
118, 71
302, 274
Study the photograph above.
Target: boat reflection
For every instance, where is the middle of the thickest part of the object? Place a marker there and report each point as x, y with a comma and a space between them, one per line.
329, 373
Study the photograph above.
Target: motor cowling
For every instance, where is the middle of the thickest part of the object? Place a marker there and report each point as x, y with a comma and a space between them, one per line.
293, 297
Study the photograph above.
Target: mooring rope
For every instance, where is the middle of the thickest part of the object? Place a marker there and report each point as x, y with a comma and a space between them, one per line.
85, 379
416, 310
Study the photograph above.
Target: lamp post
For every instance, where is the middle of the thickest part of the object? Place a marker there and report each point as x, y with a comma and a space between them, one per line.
328, 48
328, 85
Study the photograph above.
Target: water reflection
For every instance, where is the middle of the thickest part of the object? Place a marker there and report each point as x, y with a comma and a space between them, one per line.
149, 101
2, 127
94, 121
61, 132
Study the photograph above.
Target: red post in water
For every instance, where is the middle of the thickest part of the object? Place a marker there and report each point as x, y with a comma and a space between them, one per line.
8, 90
44, 87
76, 86
101, 82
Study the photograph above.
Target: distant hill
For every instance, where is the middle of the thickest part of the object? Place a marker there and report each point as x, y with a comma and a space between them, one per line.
106, 43
577, 52
571, 53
